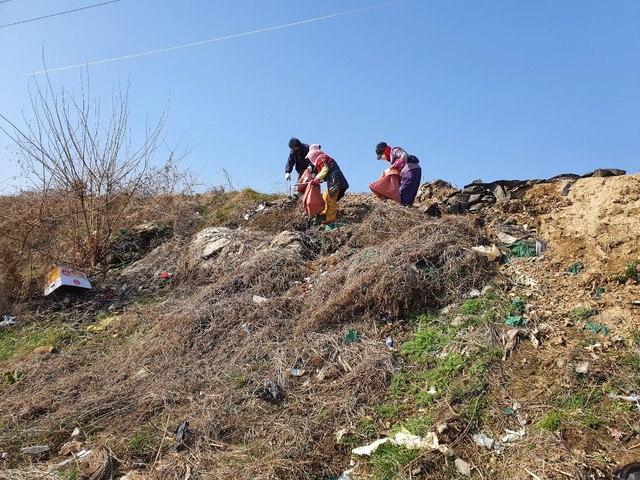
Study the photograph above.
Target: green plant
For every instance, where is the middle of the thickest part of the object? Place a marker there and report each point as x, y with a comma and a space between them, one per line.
427, 341
582, 313
575, 268
389, 460
141, 441
385, 410
72, 473
20, 340
472, 306
553, 421
631, 269
416, 425
517, 306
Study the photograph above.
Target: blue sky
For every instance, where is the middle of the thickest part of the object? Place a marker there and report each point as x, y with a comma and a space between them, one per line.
476, 89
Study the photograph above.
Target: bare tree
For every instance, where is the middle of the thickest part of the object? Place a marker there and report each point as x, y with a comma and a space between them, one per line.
85, 162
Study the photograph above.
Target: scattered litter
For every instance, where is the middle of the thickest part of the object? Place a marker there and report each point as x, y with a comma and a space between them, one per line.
7, 320
295, 372
245, 327
64, 278
10, 377
35, 450
270, 392
582, 367
575, 268
534, 336
597, 293
407, 440
182, 430
510, 338
512, 435
76, 432
258, 299
44, 350
341, 433
492, 253
629, 398
367, 450
597, 328
389, 342
541, 247
519, 305
258, 209
523, 249
628, 472
351, 336
70, 447
165, 274
483, 441
515, 321
615, 434
506, 238
594, 347
635, 302
103, 324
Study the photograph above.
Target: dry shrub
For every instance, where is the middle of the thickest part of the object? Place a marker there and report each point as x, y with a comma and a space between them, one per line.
384, 222
284, 214
206, 352
424, 267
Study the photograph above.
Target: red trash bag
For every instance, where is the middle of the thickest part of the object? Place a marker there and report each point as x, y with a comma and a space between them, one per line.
305, 178
312, 200
387, 186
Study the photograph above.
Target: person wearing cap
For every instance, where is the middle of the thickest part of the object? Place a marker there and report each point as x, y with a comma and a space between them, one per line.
407, 165
337, 184
297, 158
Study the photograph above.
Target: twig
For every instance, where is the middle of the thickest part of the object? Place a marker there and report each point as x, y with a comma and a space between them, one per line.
532, 474
164, 435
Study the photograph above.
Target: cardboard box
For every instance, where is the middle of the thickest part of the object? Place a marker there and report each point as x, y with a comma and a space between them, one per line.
62, 277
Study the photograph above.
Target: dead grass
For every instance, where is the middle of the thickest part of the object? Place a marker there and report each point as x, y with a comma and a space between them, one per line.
207, 353
277, 343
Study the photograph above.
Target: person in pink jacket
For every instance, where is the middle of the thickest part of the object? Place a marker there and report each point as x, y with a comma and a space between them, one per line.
407, 165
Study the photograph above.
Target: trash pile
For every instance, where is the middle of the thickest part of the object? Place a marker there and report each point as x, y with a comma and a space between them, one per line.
478, 195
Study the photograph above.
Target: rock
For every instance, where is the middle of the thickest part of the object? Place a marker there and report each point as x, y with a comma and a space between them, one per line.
70, 447
44, 350
463, 467
35, 450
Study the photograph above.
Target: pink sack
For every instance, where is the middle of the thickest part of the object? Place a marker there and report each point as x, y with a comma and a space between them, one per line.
387, 186
305, 178
312, 200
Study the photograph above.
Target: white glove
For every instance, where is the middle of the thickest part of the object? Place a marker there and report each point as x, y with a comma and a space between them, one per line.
287, 177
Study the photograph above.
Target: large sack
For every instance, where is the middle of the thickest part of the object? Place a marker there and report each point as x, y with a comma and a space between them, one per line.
305, 178
312, 200
387, 187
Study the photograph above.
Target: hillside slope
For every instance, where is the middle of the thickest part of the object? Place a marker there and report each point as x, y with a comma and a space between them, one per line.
285, 346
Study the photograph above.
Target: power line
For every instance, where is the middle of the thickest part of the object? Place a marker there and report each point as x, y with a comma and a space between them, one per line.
203, 42
55, 14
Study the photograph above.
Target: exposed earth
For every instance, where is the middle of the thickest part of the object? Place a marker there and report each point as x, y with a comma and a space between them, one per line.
264, 346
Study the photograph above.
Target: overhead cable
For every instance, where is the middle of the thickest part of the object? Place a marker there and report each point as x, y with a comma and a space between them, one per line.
56, 14
203, 42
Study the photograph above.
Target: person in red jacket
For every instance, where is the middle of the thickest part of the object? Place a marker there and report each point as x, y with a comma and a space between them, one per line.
337, 184
407, 165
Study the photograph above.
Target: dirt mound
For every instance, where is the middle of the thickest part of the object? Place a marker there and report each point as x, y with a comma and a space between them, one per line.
265, 346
